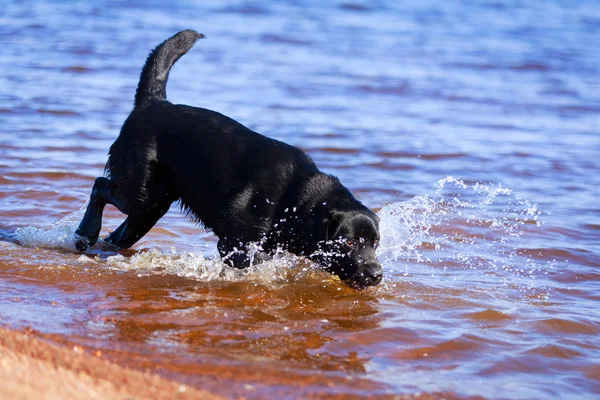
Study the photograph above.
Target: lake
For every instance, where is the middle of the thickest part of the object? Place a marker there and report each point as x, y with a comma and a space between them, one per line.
471, 129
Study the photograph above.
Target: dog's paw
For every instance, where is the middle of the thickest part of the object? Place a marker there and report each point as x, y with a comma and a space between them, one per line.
82, 243
107, 244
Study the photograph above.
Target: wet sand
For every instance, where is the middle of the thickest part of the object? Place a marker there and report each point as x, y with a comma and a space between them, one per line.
31, 368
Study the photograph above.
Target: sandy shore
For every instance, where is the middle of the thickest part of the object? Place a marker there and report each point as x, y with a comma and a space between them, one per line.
31, 368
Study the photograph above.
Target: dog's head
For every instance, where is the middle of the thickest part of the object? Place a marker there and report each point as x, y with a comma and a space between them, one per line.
348, 250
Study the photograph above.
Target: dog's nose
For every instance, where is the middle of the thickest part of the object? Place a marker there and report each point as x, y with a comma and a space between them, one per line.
374, 273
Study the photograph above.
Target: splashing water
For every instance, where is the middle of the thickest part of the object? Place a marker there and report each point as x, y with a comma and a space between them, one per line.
282, 267
465, 226
60, 236
461, 225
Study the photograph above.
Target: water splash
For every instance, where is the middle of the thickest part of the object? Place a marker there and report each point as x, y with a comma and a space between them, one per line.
404, 227
462, 225
60, 236
197, 266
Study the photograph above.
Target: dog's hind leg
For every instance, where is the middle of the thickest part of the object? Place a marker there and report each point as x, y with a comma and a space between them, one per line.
89, 228
136, 226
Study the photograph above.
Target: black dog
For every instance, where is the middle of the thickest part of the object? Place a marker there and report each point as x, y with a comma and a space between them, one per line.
244, 186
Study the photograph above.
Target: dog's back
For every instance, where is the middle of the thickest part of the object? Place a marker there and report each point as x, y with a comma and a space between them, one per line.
221, 171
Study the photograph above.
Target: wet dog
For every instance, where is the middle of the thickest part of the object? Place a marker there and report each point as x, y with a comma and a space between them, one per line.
245, 187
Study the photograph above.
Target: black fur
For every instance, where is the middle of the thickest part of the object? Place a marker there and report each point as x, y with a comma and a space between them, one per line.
242, 185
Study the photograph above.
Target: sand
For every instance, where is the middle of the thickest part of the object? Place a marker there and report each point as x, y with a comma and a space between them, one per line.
31, 368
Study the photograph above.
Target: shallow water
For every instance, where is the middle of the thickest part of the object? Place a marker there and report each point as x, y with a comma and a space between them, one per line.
471, 129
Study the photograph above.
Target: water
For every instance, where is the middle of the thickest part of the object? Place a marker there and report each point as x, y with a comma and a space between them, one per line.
471, 129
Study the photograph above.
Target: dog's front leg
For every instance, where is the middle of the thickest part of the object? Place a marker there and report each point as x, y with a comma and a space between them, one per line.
89, 228
233, 253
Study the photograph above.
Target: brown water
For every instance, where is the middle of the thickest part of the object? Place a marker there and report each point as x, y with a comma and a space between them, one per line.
473, 130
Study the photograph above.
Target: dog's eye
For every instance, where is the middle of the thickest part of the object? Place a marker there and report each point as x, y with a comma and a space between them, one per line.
375, 243
350, 242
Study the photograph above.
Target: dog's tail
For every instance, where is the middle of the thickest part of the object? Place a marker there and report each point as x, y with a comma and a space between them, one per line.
153, 81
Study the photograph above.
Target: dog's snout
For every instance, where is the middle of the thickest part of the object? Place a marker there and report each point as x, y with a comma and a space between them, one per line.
374, 273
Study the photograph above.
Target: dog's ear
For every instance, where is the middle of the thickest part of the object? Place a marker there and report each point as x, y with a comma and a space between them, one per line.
332, 224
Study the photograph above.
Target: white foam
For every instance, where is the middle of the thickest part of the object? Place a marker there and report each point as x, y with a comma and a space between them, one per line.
282, 267
60, 236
